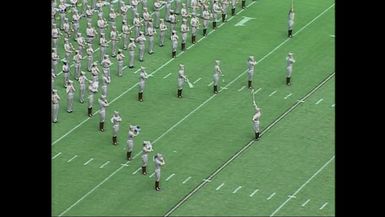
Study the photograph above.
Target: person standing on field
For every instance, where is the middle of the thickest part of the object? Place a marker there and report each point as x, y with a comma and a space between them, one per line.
115, 120
159, 162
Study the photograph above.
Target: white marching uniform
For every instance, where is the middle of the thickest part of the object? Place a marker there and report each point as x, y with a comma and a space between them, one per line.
70, 90
115, 120
163, 29
158, 164
291, 20
93, 88
106, 64
255, 120
114, 39
82, 84
131, 53
126, 35
147, 148
250, 70
90, 56
217, 73
181, 78
55, 106
130, 141
141, 40
66, 71
142, 80
106, 82
102, 110
289, 67
174, 40
151, 33
120, 59
77, 59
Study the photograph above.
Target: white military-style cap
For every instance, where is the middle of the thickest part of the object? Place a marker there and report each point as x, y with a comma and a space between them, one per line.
291, 53
103, 96
217, 61
70, 81
116, 112
142, 67
54, 90
131, 39
82, 73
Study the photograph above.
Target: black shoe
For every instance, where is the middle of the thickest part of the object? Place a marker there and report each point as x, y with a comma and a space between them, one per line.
141, 60
131, 67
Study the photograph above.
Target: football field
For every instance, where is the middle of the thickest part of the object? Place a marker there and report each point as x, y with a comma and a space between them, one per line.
214, 167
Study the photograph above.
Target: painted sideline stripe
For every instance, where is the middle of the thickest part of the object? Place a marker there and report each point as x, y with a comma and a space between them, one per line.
252, 194
304, 204
271, 196
186, 180
235, 191
152, 174
210, 83
272, 93
136, 171
56, 155
323, 205
167, 75
168, 178
104, 164
241, 88
320, 100
288, 96
88, 161
72, 158
220, 186
197, 80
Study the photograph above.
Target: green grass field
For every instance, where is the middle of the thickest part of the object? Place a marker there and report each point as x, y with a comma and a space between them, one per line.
214, 167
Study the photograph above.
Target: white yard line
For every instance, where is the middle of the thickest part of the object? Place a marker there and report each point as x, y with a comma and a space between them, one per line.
323, 206
211, 83
271, 196
197, 80
136, 171
201, 39
288, 96
152, 174
71, 158
198, 187
88, 161
125, 165
237, 189
220, 186
304, 204
104, 164
182, 52
252, 194
190, 46
56, 155
167, 75
186, 180
272, 93
320, 100
230, 18
170, 176
241, 88
302, 186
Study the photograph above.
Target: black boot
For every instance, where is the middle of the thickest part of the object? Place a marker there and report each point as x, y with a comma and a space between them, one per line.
232, 11
223, 17
193, 39
129, 155
204, 32
287, 81
157, 186
114, 140
215, 89
90, 112
144, 170
243, 4
257, 136
183, 46
249, 84
101, 126
179, 94
214, 25
173, 55
289, 34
